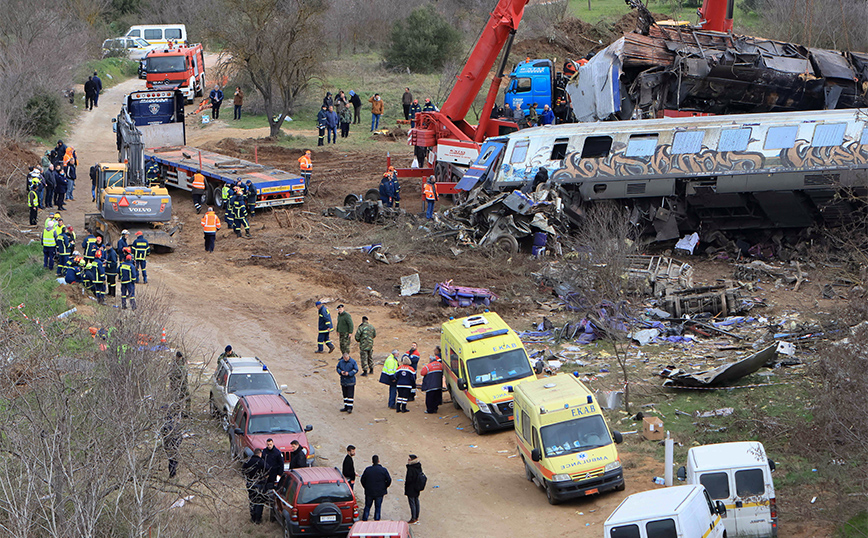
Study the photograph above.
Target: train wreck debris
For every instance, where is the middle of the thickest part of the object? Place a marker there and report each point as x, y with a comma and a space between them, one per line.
721, 375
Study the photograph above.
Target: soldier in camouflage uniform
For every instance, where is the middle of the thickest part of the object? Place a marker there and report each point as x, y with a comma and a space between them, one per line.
344, 328
365, 337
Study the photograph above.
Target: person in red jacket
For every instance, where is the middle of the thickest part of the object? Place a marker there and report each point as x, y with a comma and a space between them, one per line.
432, 384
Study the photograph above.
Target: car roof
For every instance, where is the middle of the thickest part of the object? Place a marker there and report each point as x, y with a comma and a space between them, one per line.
245, 365
728, 455
267, 404
654, 503
380, 528
318, 474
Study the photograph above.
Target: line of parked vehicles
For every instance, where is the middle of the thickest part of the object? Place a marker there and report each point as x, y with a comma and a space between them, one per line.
565, 443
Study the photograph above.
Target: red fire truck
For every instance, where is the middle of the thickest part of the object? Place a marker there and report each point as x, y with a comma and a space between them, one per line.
180, 67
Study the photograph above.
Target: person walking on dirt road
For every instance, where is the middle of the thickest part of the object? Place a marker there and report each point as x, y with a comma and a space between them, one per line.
344, 328
324, 325
210, 225
376, 481
347, 369
365, 335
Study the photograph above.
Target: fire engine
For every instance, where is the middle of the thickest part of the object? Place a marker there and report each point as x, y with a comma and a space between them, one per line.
180, 67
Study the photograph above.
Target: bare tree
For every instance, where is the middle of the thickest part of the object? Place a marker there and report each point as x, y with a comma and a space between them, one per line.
814, 23
276, 43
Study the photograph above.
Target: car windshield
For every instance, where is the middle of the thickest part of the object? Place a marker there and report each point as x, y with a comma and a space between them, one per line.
274, 424
166, 64
497, 368
575, 435
141, 42
324, 493
262, 382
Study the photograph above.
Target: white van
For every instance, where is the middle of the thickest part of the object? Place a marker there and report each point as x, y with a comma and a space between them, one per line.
159, 34
676, 512
740, 475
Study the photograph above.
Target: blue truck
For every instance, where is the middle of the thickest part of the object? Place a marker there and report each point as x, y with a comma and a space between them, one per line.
538, 81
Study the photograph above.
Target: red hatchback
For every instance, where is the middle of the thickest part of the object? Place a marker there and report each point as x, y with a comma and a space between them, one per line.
314, 501
257, 418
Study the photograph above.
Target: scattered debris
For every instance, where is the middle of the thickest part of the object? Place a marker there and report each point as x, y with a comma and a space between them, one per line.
370, 211
410, 285
722, 412
452, 295
721, 375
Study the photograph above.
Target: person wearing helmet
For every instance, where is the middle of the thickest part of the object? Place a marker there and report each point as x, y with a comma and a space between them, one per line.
141, 249
128, 276
122, 242
396, 187
99, 277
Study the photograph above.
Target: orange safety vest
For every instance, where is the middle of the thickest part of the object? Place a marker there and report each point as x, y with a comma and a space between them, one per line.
210, 222
198, 181
305, 163
429, 192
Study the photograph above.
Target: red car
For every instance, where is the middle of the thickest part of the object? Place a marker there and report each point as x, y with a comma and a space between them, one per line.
257, 418
314, 501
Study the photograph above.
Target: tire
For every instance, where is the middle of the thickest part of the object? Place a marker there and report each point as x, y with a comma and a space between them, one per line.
505, 243
210, 193
232, 452
477, 427
326, 509
550, 495
351, 200
527, 472
286, 532
455, 403
622, 487
224, 420
372, 195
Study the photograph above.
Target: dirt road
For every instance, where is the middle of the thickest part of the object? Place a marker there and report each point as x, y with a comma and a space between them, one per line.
476, 484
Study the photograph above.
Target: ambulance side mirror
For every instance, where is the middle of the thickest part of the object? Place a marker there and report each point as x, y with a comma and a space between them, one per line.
720, 508
462, 385
535, 454
681, 473
616, 435
772, 465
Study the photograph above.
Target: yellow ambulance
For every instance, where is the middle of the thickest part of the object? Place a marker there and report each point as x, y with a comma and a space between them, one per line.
483, 357
563, 439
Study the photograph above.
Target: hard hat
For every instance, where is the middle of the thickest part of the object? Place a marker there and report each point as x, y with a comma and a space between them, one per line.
139, 232
125, 232
57, 215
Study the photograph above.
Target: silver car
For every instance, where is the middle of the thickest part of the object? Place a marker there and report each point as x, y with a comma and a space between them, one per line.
134, 48
236, 377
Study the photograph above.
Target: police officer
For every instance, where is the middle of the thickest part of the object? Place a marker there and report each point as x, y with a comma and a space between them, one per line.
128, 276
141, 249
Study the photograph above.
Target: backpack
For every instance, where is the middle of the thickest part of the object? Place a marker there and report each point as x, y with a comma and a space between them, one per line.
421, 481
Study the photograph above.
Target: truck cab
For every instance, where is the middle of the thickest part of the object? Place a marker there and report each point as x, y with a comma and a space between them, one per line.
739, 475
177, 67
531, 81
564, 440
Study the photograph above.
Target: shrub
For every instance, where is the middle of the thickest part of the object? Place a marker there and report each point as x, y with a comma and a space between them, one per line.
423, 42
42, 115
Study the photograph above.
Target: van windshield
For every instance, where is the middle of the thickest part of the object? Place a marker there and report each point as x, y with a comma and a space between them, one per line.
274, 424
498, 368
575, 435
166, 64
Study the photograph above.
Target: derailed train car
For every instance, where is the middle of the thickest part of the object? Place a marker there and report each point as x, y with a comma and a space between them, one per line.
747, 171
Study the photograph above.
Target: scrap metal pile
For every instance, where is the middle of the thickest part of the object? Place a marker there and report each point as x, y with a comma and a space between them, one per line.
673, 67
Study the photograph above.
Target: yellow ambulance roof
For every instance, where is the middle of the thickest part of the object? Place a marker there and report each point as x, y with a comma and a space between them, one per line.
555, 393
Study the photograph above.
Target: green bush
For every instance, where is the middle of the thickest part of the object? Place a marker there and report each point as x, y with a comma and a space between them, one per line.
423, 42
42, 114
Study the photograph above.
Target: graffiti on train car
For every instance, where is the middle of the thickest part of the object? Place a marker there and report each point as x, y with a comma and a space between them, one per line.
803, 155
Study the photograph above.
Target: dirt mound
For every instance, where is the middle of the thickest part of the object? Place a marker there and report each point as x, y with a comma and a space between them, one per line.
13, 203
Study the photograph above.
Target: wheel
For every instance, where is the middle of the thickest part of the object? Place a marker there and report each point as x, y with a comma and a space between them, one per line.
623, 486
506, 243
527, 472
455, 403
326, 510
211, 193
224, 420
477, 427
550, 494
351, 200
232, 451
372, 195
212, 409
271, 516
286, 533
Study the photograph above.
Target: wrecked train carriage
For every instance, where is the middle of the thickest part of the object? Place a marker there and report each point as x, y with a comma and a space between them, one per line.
750, 171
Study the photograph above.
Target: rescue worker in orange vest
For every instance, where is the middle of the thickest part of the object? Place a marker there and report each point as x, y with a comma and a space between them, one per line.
430, 193
306, 166
198, 190
432, 384
210, 225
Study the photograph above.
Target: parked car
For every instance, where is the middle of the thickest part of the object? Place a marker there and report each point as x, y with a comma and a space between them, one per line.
380, 529
236, 377
315, 501
134, 48
260, 417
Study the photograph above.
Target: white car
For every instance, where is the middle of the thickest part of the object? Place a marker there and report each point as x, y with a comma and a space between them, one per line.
134, 48
236, 377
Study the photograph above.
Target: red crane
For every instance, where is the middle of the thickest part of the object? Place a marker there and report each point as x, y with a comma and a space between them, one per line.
716, 15
456, 141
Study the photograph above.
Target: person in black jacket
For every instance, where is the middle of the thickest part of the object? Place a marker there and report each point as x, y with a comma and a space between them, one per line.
357, 106
322, 124
256, 474
297, 459
273, 461
250, 196
89, 93
411, 487
376, 481
349, 467
50, 183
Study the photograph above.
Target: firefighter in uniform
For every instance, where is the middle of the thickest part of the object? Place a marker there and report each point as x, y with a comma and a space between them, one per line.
250, 198
33, 204
128, 282
141, 249
110, 260
414, 109
405, 381
99, 277
396, 186
432, 384
64, 249
198, 190
239, 213
152, 172
324, 326
122, 242
90, 244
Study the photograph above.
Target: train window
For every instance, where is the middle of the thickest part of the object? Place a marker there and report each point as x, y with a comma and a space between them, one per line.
559, 150
734, 139
596, 146
864, 140
829, 135
641, 145
687, 142
519, 152
783, 137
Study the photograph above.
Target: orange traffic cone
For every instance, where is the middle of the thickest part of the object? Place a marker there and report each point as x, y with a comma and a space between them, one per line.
163, 336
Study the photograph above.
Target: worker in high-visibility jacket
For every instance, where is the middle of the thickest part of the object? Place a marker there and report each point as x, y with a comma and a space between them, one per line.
198, 190
90, 244
33, 204
141, 249
239, 212
387, 376
324, 326
210, 225
128, 277
430, 192
110, 260
152, 172
49, 245
305, 165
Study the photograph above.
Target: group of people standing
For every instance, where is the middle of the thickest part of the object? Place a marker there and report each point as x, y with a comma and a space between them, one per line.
262, 470
52, 181
376, 481
335, 112
531, 119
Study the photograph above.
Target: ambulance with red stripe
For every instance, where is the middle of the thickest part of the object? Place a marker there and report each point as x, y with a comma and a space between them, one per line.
484, 357
564, 440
